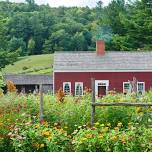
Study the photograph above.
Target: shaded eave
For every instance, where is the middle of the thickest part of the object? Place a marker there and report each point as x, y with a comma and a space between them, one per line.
29, 79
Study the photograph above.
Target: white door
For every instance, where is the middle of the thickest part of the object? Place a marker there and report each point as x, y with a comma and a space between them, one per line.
101, 87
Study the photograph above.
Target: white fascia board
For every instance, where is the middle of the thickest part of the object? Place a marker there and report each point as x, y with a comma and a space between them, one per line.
103, 70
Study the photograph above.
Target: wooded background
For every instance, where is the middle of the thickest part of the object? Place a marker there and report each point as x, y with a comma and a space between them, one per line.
29, 29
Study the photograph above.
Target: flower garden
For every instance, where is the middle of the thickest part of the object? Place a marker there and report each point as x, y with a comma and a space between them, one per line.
66, 126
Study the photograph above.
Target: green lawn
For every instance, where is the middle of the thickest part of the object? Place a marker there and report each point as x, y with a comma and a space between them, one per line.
36, 64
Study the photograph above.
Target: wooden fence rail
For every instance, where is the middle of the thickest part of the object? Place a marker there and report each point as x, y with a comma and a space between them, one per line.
125, 104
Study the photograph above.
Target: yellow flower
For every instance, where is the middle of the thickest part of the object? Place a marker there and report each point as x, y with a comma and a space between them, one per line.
116, 128
150, 108
138, 109
109, 124
141, 114
114, 138
89, 136
105, 129
41, 145
100, 136
83, 139
102, 125
37, 126
61, 131
97, 124
123, 139
45, 133
119, 124
36, 145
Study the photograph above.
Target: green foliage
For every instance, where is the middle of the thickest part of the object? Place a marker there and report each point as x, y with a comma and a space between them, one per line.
71, 113
104, 139
1, 80
7, 58
67, 125
35, 29
17, 44
137, 25
38, 137
31, 46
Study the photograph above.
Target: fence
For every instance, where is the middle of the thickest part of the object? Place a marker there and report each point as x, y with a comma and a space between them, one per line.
94, 103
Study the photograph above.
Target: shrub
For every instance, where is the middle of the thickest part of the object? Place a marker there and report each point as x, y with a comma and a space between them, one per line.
71, 113
114, 115
10, 86
35, 137
25, 68
104, 139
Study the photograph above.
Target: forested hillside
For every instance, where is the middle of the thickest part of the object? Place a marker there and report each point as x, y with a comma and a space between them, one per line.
27, 28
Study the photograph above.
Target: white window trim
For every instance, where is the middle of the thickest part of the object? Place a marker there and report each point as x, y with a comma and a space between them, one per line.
143, 86
76, 83
124, 87
69, 83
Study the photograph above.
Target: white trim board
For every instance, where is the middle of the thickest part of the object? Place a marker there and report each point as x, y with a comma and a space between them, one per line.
103, 71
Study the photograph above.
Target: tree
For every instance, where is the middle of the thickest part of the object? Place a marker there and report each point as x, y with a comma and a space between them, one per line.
6, 57
31, 5
112, 17
3, 32
17, 43
31, 46
78, 42
47, 47
138, 27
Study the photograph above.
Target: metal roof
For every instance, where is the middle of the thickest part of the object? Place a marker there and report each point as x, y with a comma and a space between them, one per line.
111, 61
29, 79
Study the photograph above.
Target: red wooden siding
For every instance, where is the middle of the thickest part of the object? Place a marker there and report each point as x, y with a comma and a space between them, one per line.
116, 79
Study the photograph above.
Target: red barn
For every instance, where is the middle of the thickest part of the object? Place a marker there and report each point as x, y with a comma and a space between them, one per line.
112, 70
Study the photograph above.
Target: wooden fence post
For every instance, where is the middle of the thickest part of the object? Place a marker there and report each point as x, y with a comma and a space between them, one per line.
93, 101
41, 104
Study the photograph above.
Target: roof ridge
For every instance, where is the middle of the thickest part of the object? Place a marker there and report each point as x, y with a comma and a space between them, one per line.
109, 51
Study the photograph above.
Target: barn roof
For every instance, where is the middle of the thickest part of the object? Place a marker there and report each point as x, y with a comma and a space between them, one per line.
29, 79
111, 61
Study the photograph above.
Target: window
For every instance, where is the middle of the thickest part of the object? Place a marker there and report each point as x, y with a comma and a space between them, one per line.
140, 87
78, 88
126, 87
67, 88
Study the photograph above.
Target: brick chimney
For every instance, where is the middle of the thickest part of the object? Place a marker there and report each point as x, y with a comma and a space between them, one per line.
100, 47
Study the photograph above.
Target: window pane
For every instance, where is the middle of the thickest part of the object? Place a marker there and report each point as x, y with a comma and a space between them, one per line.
126, 87
140, 87
66, 89
79, 90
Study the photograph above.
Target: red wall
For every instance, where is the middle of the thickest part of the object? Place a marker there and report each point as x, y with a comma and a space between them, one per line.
116, 79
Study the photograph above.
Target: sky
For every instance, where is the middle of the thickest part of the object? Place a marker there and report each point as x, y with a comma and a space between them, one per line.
56, 3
